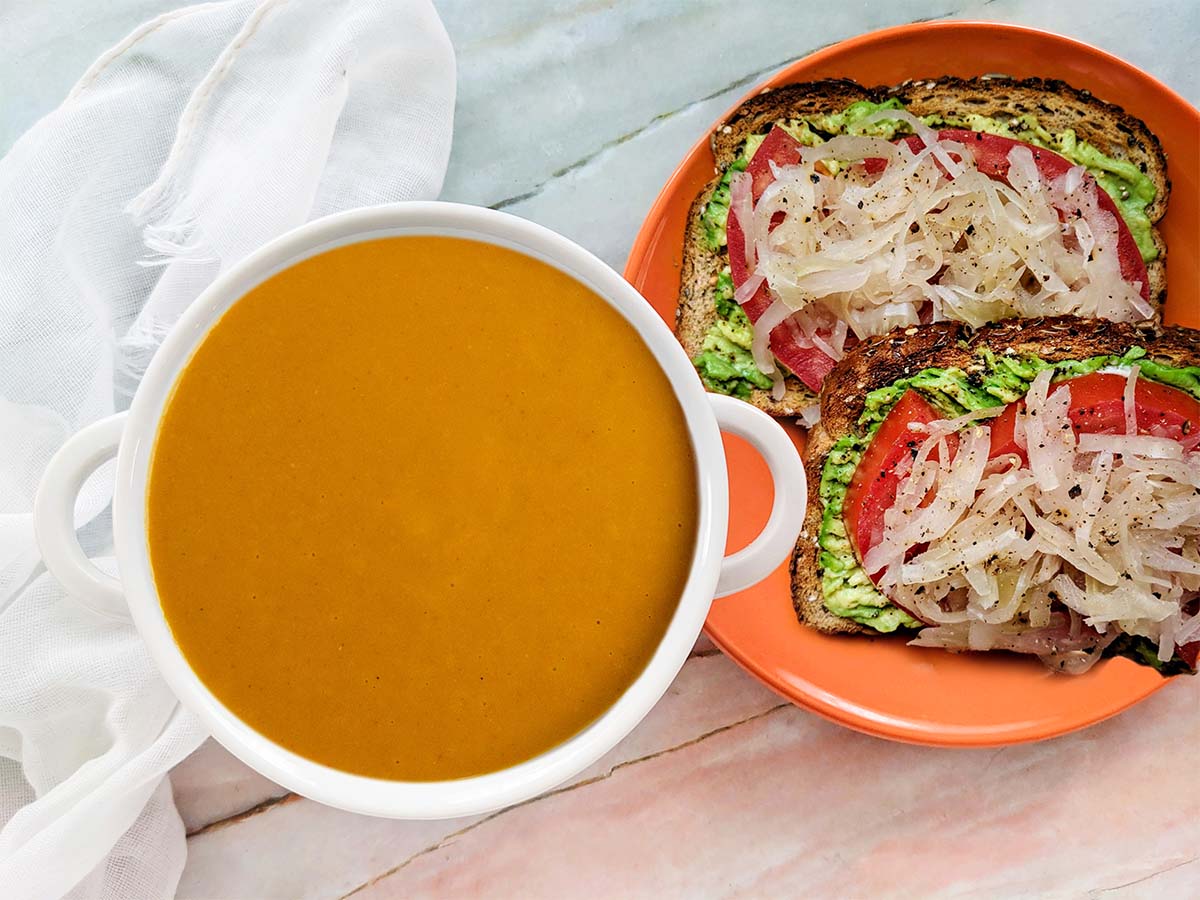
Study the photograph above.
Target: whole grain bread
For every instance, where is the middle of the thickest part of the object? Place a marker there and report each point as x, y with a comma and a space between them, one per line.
1057, 105
880, 361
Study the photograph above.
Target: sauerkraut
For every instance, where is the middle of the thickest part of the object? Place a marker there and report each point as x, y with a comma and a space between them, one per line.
1099, 535
928, 237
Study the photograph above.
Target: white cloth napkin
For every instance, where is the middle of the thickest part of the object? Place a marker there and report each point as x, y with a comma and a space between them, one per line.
202, 135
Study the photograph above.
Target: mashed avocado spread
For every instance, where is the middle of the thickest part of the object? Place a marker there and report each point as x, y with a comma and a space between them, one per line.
993, 381
726, 364
725, 361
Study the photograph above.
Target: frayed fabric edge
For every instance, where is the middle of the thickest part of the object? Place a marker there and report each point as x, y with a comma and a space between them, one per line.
172, 230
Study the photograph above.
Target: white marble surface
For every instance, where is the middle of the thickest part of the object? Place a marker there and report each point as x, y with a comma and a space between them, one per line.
573, 113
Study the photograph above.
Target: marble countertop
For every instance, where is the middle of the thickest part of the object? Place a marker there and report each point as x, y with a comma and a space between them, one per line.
573, 114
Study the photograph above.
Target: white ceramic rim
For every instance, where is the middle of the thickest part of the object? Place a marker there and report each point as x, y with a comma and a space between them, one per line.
373, 796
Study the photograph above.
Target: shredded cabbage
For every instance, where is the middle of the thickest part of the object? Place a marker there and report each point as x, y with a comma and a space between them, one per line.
880, 249
1098, 536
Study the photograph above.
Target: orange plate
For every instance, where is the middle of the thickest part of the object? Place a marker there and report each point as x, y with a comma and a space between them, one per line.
878, 685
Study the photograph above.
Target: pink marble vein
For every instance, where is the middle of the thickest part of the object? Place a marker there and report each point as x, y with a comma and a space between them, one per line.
301, 849
724, 792
787, 805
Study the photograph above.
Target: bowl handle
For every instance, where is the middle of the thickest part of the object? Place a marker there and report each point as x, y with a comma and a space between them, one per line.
54, 517
774, 544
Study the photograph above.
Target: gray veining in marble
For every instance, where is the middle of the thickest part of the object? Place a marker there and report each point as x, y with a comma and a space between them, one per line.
574, 113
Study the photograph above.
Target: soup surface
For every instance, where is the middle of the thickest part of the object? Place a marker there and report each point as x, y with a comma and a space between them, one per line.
421, 508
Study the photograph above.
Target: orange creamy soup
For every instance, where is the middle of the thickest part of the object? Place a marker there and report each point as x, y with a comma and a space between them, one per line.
421, 508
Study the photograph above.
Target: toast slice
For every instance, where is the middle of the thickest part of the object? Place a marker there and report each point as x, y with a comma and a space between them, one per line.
880, 361
1057, 105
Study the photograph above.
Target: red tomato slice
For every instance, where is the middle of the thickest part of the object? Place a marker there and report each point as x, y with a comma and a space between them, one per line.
991, 157
873, 487
1190, 653
1003, 440
1098, 407
777, 147
810, 364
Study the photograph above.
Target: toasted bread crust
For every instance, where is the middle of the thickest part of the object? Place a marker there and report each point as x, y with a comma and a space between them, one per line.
880, 361
1057, 105
760, 112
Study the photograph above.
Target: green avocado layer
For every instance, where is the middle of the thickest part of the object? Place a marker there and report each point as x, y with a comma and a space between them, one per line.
730, 369
716, 212
725, 361
995, 381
